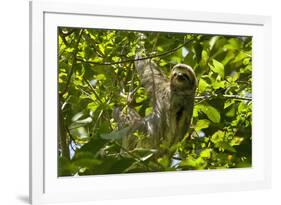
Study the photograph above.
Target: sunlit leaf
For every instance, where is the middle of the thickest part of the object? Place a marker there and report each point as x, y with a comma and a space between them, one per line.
217, 137
205, 57
233, 44
213, 41
218, 84
217, 67
100, 77
77, 116
80, 123
212, 113
202, 85
184, 52
236, 141
202, 124
206, 153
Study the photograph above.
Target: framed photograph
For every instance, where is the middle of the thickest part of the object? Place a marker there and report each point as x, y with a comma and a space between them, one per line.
130, 102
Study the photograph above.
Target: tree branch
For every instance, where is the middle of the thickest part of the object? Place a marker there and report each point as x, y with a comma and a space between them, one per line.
237, 97
133, 60
209, 96
63, 136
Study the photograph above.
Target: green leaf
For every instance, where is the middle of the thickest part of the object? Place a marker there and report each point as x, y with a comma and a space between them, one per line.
240, 57
228, 147
198, 163
77, 116
217, 137
84, 121
230, 112
205, 57
212, 113
218, 84
202, 85
66, 168
93, 146
217, 67
202, 124
120, 165
164, 161
115, 135
146, 157
93, 105
175, 60
184, 52
229, 56
228, 103
80, 123
233, 44
101, 48
236, 141
206, 153
85, 159
242, 107
100, 77
213, 41
234, 76
148, 111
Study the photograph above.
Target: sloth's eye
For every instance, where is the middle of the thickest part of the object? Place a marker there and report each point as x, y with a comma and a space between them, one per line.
186, 77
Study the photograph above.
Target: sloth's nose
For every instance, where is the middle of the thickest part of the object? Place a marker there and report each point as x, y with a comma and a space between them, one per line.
180, 76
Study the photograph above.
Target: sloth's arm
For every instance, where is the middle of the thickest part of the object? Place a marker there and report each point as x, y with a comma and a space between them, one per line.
151, 77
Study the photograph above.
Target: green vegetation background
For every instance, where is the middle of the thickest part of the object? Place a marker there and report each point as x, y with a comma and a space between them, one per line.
96, 72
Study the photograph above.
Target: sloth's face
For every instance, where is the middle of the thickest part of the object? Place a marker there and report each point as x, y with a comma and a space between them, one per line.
183, 78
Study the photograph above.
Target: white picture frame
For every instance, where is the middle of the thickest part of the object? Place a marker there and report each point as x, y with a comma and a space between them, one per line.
46, 187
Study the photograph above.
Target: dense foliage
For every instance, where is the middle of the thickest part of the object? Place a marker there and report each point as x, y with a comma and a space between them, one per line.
96, 73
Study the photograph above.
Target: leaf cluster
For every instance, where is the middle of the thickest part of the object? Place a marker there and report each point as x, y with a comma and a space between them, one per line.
96, 74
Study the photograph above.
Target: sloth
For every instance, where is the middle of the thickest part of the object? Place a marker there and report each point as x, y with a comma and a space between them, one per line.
172, 102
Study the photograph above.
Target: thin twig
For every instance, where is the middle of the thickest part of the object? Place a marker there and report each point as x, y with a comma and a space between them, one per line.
92, 89
101, 113
64, 40
71, 138
203, 99
177, 158
133, 155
